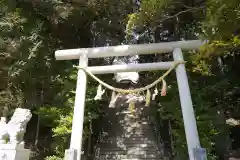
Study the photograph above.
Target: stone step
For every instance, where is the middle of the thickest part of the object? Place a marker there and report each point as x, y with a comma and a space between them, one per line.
129, 141
133, 123
130, 129
116, 148
130, 151
126, 147
121, 128
127, 135
158, 158
126, 128
132, 140
121, 157
127, 152
110, 158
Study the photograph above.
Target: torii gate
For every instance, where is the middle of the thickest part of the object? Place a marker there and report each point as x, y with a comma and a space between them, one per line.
74, 152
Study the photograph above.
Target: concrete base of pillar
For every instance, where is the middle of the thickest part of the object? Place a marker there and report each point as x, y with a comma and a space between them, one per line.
200, 154
14, 152
70, 154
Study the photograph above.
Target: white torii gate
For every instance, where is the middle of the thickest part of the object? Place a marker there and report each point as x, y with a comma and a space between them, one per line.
75, 150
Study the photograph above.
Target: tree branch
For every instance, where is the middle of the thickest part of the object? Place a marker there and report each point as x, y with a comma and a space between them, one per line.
179, 13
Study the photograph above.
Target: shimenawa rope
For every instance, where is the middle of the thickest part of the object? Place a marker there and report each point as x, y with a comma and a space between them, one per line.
128, 91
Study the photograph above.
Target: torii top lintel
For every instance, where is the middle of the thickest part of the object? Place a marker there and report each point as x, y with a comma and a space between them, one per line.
125, 50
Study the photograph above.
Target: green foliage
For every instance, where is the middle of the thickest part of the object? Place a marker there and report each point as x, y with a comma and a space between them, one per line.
53, 158
149, 12
222, 19
221, 28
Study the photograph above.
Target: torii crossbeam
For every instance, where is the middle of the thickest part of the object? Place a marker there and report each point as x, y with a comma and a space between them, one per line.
75, 150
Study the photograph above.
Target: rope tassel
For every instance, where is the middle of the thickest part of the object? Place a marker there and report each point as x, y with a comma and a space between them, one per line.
148, 98
100, 92
164, 88
113, 100
131, 106
155, 94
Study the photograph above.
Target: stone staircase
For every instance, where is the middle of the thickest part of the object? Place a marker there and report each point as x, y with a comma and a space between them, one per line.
127, 135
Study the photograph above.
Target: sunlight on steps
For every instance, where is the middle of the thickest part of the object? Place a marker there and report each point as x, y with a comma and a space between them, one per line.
128, 135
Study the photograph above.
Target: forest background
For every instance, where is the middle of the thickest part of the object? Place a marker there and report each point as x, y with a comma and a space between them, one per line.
32, 30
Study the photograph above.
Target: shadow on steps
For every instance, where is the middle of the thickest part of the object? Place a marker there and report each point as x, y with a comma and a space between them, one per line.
128, 134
